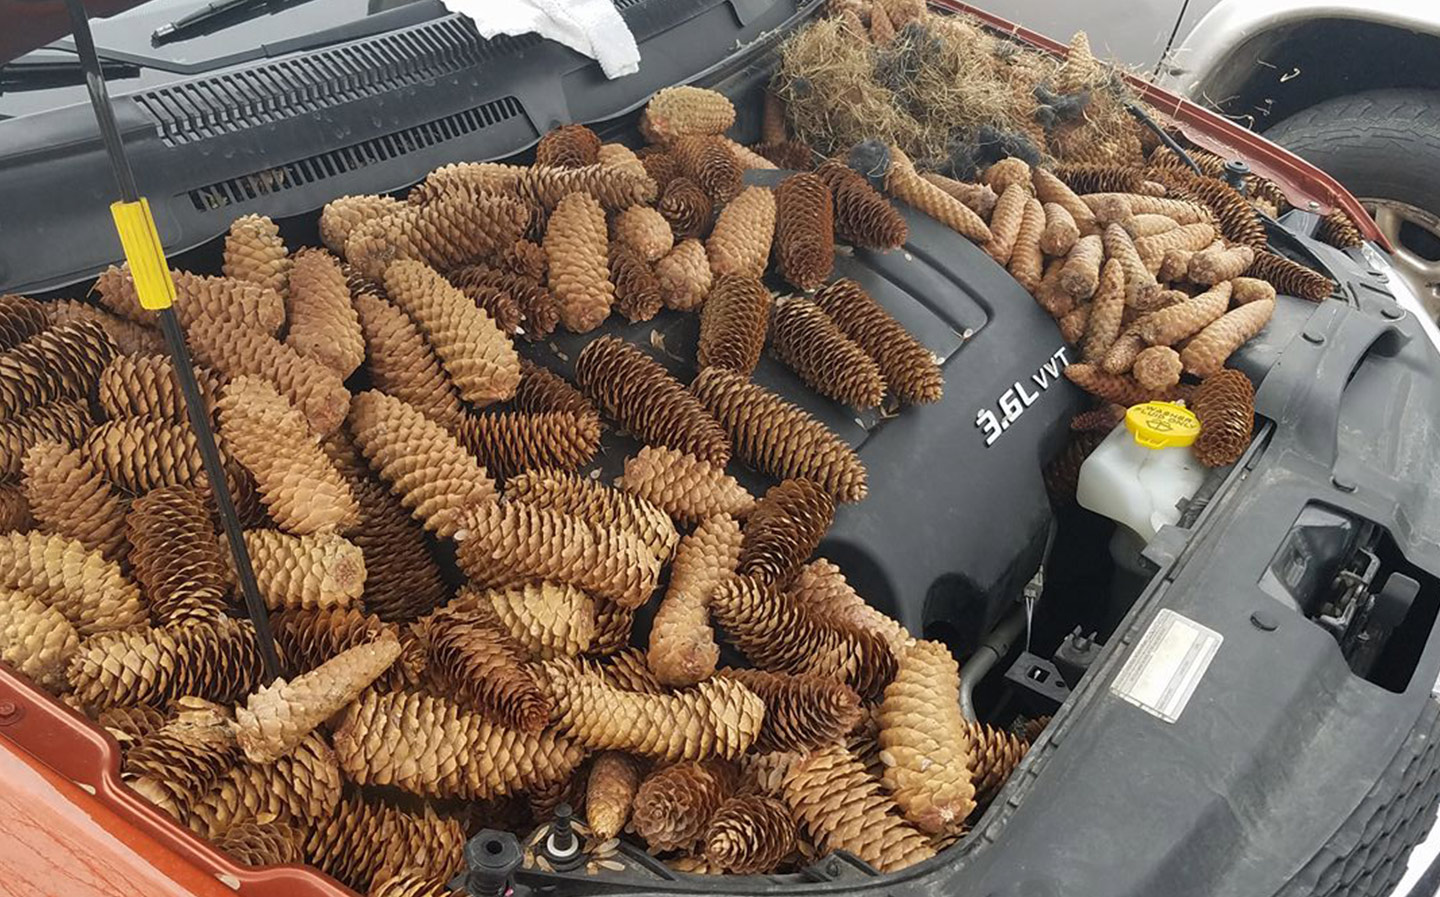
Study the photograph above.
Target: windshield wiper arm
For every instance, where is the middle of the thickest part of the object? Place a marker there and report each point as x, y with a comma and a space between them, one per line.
207, 14
33, 74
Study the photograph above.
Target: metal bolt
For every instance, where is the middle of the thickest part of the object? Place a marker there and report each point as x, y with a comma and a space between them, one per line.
10, 712
1263, 621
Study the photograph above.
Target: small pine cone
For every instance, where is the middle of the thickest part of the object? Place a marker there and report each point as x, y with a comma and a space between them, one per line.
1119, 246
661, 165
579, 272
843, 808
1074, 323
320, 570
1081, 275
1027, 263
543, 390
994, 755
909, 369
1157, 368
639, 395
644, 230
129, 337
686, 207
364, 840
1244, 290
69, 496
421, 462
479, 359
539, 312
684, 276
255, 253
740, 242
1191, 237
1170, 325
673, 805
1339, 231
1210, 266
411, 884
146, 385
637, 289
1175, 266
63, 362
343, 215
802, 712
1119, 389
733, 323
784, 530
568, 146
310, 386
1225, 404
510, 442
1005, 222
821, 589
21, 318
401, 362
682, 642
66, 421
1106, 312
609, 794
677, 111
524, 258
300, 485
175, 555
598, 505
688, 488
302, 787
547, 619
217, 660
882, 30
36, 639
709, 162
139, 454
323, 325
927, 740
750, 834
715, 718
614, 187
483, 669
1149, 225
776, 632
431, 746
905, 184
253, 844
804, 230
1121, 355
863, 217
1290, 278
495, 302
778, 438
177, 764
196, 298
1206, 353
128, 725
15, 514
1053, 189
805, 339
505, 543
979, 197
1085, 179
1009, 171
402, 580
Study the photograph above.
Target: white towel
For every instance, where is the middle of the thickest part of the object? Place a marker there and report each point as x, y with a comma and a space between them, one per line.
591, 27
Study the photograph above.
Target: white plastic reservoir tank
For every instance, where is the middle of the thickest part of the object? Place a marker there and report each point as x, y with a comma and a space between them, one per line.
1142, 471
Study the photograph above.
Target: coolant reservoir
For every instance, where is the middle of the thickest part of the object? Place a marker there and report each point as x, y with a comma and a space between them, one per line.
1141, 472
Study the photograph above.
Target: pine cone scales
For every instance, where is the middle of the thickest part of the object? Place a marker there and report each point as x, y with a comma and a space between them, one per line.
1225, 404
820, 587
307, 638
908, 368
733, 323
597, 505
411, 885
711, 164
510, 442
63, 362
318, 570
88, 590
1290, 278
682, 643
862, 216
146, 386
547, 619
802, 712
927, 740
576, 246
805, 339
65, 421
176, 556
503, 543
645, 231
322, 323
804, 230
609, 793
401, 362
715, 718
614, 187
67, 495
21, 318
36, 639
684, 275
341, 216
177, 764
843, 808
255, 253
904, 183
298, 482
481, 667
128, 336
674, 804
638, 394
740, 241
995, 753
423, 464
430, 746
479, 359
1169, 325
216, 660
778, 438
750, 834
402, 580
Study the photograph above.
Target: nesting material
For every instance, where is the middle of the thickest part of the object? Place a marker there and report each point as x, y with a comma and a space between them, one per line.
67, 495
610, 793
783, 531
36, 639
683, 650
402, 364
806, 340
677, 111
598, 505
908, 368
176, 555
688, 488
684, 276
804, 230
740, 241
323, 325
481, 667
319, 570
254, 252
733, 324
510, 442
927, 740
673, 805
1225, 404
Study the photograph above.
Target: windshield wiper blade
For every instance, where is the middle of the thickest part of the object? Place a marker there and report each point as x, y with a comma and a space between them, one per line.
209, 13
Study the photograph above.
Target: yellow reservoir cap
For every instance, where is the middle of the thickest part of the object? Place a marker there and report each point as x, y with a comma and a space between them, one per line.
1158, 425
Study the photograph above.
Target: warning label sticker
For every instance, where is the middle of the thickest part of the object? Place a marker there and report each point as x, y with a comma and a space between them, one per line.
1167, 664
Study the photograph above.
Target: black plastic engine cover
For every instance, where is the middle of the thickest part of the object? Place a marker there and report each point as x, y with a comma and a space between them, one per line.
956, 518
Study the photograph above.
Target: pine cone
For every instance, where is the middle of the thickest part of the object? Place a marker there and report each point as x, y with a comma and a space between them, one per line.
548, 620
323, 325
802, 712
1027, 263
15, 514
197, 298
307, 638
479, 359
804, 230
568, 146
364, 839
637, 289
682, 642
905, 184
1119, 246
821, 589
978, 197
1083, 178
1339, 231
843, 808
660, 164
1170, 325
341, 216
302, 788
66, 421
63, 362
262, 845
1005, 221
431, 746
710, 163
775, 632
625, 668
506, 543
539, 312
177, 557
598, 505
277, 718
140, 454
1052, 187
21, 318
740, 242
673, 805
402, 580
687, 488
576, 247
410, 884
1244, 290
927, 740
863, 217
609, 794
1290, 278
614, 187
907, 367
805, 339
1210, 266
1118, 389
733, 322
1081, 275
784, 530
129, 337
69, 497
645, 231
778, 438
319, 570
677, 111
36, 639
482, 667
255, 253
422, 463
543, 390
1062, 474
995, 754
1157, 368
146, 386
684, 276
638, 394
401, 362
1060, 232
1239, 222
750, 834
686, 207
1191, 237
129, 725
177, 764
216, 660
1106, 312
510, 442
1225, 404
